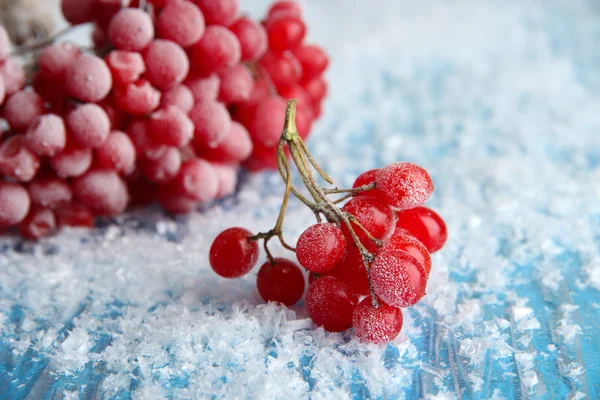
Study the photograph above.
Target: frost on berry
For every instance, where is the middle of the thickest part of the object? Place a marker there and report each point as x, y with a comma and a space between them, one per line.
321, 247
376, 325
409, 244
404, 184
398, 278
330, 304
282, 282
14, 204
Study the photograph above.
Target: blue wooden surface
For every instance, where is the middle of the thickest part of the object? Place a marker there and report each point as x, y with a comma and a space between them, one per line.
499, 100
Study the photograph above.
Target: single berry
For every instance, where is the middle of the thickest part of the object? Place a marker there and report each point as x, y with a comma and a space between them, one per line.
367, 178
398, 278
163, 168
330, 304
50, 192
88, 78
376, 325
39, 222
179, 96
284, 69
14, 204
197, 180
352, 271
232, 254
313, 59
125, 66
171, 126
219, 48
234, 148
236, 84
103, 191
219, 12
17, 160
321, 247
424, 224
131, 29
72, 162
46, 135
227, 175
137, 98
22, 108
285, 33
400, 241
173, 202
212, 122
282, 282
88, 125
204, 88
252, 37
284, 7
374, 215
181, 22
405, 185
117, 152
167, 64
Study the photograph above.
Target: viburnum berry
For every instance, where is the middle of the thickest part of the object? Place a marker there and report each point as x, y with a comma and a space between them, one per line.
88, 78
424, 224
50, 192
285, 32
75, 215
252, 37
14, 204
321, 247
39, 222
233, 254
103, 191
351, 270
377, 325
405, 185
400, 241
330, 303
131, 29
88, 125
284, 7
181, 22
282, 282
367, 178
398, 278
374, 215
17, 160
22, 108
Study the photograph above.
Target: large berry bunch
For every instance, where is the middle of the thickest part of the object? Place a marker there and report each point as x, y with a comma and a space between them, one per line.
377, 245
172, 99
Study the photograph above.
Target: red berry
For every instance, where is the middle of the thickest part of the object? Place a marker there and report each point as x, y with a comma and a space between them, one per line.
5, 45
321, 247
284, 69
164, 168
46, 135
14, 204
88, 78
330, 304
236, 84
374, 215
77, 11
13, 75
131, 29
173, 202
50, 192
234, 148
39, 222
116, 116
376, 325
145, 145
267, 124
179, 96
197, 180
219, 12
282, 282
285, 33
212, 122
74, 214
204, 89
232, 254
137, 98
352, 272
22, 108
182, 22
126, 66
117, 152
313, 59
424, 224
17, 160
171, 126
219, 48
72, 162
252, 37
284, 7
167, 64
398, 278
316, 89
2, 91
364, 179
88, 125
55, 59
400, 241
404, 184
103, 191
227, 175
262, 158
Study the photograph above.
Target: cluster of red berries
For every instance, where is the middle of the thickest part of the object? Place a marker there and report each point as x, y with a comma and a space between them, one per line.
388, 257
175, 97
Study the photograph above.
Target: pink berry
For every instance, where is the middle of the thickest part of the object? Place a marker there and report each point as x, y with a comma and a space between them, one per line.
50, 192
179, 96
285, 33
424, 224
282, 282
252, 37
46, 135
17, 160
197, 180
376, 325
400, 241
163, 168
103, 191
167, 64
284, 69
22, 108
171, 127
137, 98
75, 215
39, 222
88, 78
72, 162
236, 84
284, 7
125, 66
234, 148
88, 125
173, 202
131, 29
232, 254
313, 59
330, 304
219, 12
267, 124
227, 175
204, 89
117, 152
55, 59
212, 122
143, 141
404, 184
321, 247
181, 22
398, 278
219, 48
14, 204
13, 75
116, 116
77, 11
